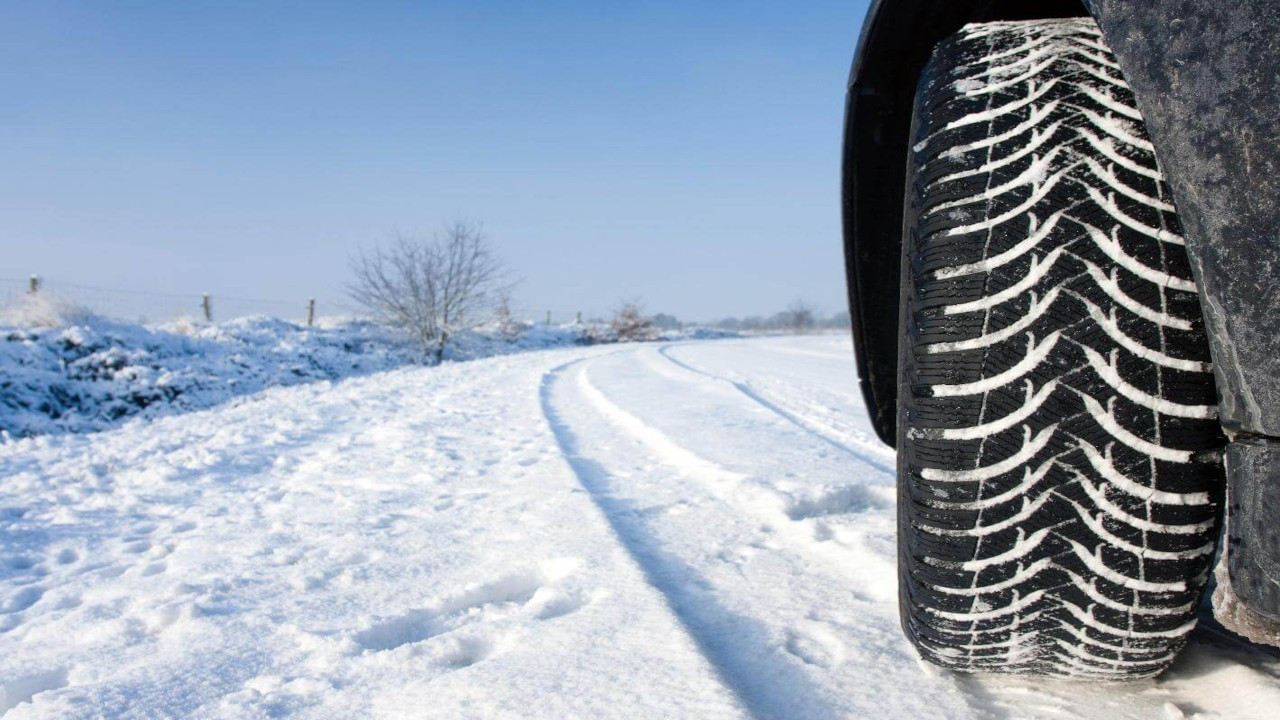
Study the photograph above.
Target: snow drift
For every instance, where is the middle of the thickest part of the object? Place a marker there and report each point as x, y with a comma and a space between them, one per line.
64, 369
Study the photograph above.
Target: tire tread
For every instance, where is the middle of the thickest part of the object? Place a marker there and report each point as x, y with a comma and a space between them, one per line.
1057, 513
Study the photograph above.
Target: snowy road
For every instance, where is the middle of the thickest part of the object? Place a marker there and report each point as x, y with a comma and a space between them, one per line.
695, 530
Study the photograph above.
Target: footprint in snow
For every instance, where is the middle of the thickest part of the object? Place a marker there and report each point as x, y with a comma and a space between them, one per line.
15, 691
815, 645
461, 652
137, 548
22, 599
448, 614
20, 562
840, 499
68, 601
484, 603
550, 603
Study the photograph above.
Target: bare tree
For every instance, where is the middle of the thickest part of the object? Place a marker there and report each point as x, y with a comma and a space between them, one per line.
510, 328
800, 316
629, 323
431, 289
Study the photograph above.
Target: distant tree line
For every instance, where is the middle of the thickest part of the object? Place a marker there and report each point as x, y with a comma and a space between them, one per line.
799, 317
630, 322
438, 287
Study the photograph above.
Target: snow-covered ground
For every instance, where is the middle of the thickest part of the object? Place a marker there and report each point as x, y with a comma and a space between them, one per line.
63, 369
699, 530
92, 373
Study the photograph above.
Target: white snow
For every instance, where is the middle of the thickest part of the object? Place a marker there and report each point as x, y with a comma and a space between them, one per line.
64, 369
97, 373
698, 530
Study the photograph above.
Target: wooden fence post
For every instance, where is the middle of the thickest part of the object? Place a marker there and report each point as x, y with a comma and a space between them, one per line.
311, 312
34, 285
208, 308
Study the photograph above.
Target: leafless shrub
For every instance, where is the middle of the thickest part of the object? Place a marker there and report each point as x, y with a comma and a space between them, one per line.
510, 328
431, 289
629, 323
800, 316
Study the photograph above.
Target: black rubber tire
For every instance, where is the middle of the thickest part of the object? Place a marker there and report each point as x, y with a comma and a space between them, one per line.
1059, 489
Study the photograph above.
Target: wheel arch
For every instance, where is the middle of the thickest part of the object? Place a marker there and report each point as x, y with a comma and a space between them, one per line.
897, 38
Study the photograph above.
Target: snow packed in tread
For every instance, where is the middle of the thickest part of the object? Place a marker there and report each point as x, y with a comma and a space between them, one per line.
1057, 390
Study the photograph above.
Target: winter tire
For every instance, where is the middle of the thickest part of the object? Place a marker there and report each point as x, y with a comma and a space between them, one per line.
1056, 418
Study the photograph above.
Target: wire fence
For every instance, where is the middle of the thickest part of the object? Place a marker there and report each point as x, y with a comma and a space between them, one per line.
149, 307
156, 307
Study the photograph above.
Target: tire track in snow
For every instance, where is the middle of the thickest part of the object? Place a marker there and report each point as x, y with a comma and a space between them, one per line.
976, 697
782, 515
716, 630
804, 424
998, 696
789, 633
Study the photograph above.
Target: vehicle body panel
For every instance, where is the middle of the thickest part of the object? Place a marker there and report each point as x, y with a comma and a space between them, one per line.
1205, 76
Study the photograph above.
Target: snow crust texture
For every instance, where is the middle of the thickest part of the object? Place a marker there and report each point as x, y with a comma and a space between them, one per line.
682, 530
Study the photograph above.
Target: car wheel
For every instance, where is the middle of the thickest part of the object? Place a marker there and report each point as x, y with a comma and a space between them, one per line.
1059, 484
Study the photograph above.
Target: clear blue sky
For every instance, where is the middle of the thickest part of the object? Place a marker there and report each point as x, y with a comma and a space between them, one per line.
686, 152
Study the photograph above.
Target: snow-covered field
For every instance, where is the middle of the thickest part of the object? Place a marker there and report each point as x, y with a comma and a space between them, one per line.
63, 369
699, 530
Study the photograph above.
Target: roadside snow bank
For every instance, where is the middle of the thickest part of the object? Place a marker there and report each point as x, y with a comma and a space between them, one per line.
96, 373
64, 369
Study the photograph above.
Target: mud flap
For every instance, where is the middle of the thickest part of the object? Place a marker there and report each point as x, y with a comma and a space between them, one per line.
1247, 598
